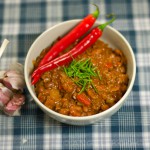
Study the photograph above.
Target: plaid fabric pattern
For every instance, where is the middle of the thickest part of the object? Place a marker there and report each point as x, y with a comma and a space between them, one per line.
129, 129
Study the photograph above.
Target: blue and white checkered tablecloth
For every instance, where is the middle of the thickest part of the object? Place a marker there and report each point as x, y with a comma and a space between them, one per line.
21, 21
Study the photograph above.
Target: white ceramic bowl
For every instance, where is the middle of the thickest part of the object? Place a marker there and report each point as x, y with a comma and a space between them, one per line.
111, 36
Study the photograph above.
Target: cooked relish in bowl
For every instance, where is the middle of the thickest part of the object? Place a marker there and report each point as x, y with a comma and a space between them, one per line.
92, 83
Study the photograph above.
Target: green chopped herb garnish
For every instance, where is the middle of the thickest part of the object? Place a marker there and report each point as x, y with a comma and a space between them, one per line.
81, 72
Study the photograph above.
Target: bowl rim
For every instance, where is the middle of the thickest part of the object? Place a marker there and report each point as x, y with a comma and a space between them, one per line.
84, 118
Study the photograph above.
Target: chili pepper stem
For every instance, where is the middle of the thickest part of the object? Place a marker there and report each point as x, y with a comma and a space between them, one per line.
96, 12
102, 26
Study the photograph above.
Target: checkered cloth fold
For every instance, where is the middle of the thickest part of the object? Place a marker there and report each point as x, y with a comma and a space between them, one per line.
21, 22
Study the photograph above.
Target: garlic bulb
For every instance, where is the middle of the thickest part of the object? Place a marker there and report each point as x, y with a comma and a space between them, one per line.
11, 90
11, 86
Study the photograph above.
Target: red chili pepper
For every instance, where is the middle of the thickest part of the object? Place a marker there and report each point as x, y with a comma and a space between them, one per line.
83, 99
73, 35
85, 43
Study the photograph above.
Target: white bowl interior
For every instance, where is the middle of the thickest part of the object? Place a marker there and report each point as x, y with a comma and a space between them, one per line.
110, 36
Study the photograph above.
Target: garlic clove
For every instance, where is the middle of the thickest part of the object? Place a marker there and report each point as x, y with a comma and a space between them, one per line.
16, 83
17, 67
5, 95
13, 73
14, 105
2, 75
